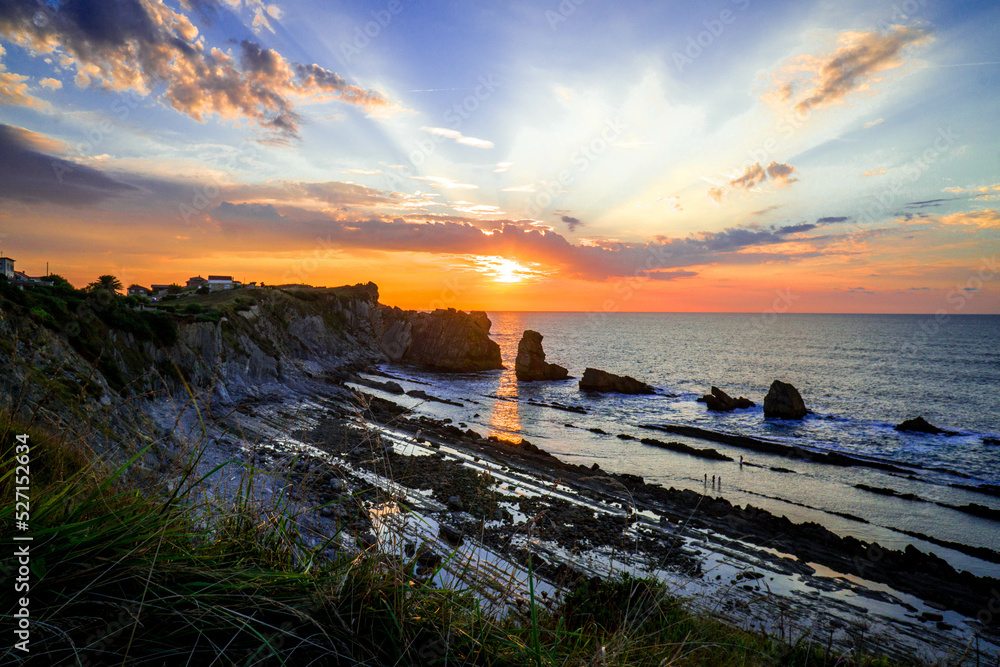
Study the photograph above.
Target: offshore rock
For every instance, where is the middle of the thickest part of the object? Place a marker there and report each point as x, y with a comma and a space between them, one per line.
784, 402
530, 364
921, 425
602, 381
720, 401
444, 340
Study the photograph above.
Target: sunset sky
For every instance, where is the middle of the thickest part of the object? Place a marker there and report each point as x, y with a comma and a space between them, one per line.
737, 155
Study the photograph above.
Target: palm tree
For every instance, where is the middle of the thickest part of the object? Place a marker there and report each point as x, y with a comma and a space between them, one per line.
106, 282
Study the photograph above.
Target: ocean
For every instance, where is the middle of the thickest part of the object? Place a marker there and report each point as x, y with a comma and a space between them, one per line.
859, 374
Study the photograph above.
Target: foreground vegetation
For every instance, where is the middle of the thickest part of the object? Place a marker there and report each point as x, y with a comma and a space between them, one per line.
126, 572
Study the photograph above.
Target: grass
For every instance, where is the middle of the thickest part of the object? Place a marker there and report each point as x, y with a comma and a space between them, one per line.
124, 571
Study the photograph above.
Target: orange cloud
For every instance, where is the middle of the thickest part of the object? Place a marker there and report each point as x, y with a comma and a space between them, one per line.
984, 190
14, 90
874, 172
825, 80
137, 45
755, 174
988, 218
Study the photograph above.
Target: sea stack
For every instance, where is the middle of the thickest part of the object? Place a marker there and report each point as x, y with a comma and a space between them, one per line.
784, 402
530, 365
720, 401
602, 381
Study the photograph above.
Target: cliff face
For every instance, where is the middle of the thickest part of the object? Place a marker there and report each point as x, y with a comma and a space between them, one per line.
239, 344
444, 340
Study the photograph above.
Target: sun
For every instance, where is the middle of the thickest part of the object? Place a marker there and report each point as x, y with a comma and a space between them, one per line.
504, 270
508, 271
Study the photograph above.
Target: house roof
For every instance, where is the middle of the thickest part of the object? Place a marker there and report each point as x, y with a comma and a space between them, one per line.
197, 278
10, 258
220, 278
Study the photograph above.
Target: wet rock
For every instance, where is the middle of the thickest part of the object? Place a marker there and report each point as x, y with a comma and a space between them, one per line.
427, 557
337, 485
455, 504
530, 365
367, 541
421, 394
709, 453
921, 425
991, 441
784, 402
451, 535
720, 401
445, 340
601, 381
931, 616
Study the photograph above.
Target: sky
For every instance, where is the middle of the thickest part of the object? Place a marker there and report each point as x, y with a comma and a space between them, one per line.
726, 156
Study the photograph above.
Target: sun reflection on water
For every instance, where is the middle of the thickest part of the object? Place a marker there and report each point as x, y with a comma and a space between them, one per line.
505, 420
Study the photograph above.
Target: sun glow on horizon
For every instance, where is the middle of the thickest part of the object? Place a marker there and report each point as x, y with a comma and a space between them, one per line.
504, 270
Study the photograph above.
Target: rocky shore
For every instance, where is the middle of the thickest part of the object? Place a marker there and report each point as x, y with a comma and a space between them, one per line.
518, 500
287, 370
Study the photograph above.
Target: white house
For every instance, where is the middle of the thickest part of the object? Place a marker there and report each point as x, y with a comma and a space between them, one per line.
216, 283
7, 267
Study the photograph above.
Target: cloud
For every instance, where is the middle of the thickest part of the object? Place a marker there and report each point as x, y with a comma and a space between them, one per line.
229, 211
765, 210
14, 90
874, 172
817, 81
51, 84
673, 202
859, 290
928, 203
120, 45
833, 219
571, 222
988, 218
29, 173
754, 175
980, 190
877, 121
520, 188
458, 137
781, 172
446, 183
362, 172
502, 167
795, 229
668, 275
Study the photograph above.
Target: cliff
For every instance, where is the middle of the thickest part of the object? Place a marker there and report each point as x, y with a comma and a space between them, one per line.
78, 352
